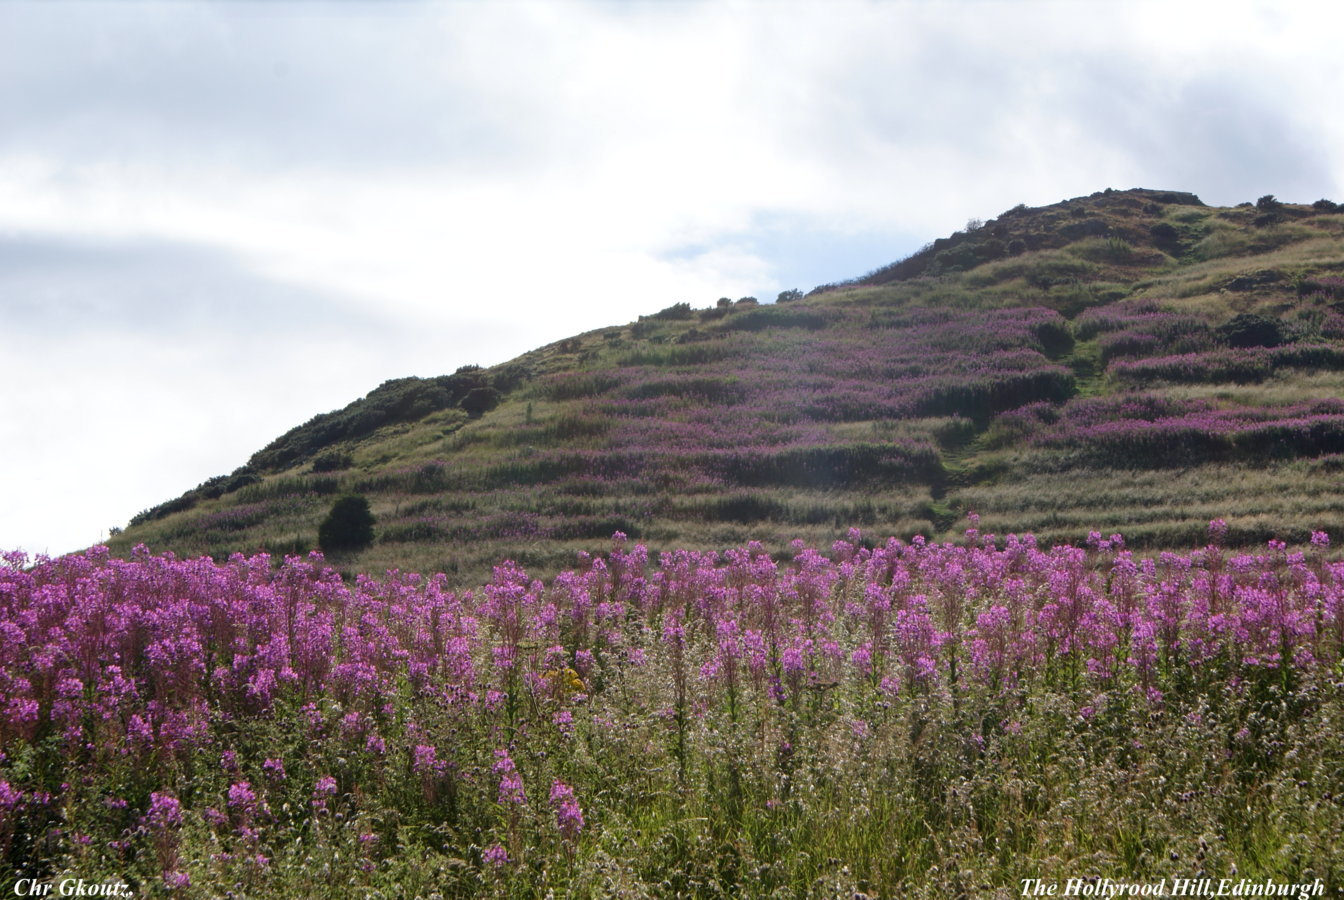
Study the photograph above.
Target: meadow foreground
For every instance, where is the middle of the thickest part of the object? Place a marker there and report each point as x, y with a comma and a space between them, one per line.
904, 719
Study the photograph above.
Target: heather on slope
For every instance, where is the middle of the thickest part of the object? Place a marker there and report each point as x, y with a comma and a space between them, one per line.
1132, 361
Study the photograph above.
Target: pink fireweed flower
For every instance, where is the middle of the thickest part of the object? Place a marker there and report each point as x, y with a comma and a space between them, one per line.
568, 815
242, 797
322, 791
426, 761
352, 723
274, 769
510, 782
164, 812
10, 798
862, 658
673, 632
709, 670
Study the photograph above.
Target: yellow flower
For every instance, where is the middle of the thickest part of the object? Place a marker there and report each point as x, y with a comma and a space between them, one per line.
565, 681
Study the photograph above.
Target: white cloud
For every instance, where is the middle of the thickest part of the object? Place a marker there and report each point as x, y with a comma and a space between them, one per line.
440, 183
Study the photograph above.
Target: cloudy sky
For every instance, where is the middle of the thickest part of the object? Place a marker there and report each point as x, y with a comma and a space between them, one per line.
218, 219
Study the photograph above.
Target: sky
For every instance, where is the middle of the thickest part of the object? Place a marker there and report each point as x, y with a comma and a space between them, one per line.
220, 219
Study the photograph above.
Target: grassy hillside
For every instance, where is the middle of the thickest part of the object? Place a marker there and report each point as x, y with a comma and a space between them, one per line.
1132, 361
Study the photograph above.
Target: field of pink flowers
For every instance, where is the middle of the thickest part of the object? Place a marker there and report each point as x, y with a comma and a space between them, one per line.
915, 718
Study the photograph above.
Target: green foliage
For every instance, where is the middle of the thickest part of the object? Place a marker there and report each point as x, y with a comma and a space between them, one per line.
480, 400
697, 354
675, 312
982, 398
577, 385
332, 461
1056, 339
587, 432
834, 466
1165, 236
210, 489
1251, 330
746, 508
348, 527
764, 317
704, 389
395, 401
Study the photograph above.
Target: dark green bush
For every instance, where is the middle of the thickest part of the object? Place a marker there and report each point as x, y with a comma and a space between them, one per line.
210, 489
830, 466
1165, 235
745, 508
332, 461
241, 478
578, 385
704, 389
1271, 211
1055, 337
764, 317
480, 401
398, 400
673, 312
180, 504
1251, 330
348, 528
572, 424
980, 399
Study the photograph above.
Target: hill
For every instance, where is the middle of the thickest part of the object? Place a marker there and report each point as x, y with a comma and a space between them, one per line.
1131, 361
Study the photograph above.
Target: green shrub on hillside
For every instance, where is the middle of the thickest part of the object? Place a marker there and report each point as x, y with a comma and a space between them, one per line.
392, 402
673, 312
480, 401
348, 528
1250, 330
332, 461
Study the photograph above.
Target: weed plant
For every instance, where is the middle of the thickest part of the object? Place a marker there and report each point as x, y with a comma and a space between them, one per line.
902, 719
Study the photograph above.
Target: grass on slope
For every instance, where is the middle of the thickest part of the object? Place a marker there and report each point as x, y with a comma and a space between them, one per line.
895, 404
